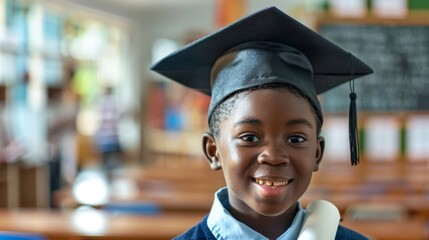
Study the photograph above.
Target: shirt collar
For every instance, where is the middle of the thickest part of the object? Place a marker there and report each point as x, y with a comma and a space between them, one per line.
224, 226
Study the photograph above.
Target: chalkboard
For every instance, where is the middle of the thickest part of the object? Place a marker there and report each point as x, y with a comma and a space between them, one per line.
399, 55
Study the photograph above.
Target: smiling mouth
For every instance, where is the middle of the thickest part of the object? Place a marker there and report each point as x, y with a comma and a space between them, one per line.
271, 183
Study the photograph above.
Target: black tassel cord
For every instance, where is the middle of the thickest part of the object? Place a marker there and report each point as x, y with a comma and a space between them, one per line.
353, 128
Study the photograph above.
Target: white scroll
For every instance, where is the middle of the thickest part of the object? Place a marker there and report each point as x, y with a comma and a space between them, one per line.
321, 221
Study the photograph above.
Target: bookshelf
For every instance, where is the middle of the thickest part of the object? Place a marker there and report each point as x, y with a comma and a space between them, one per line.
42, 44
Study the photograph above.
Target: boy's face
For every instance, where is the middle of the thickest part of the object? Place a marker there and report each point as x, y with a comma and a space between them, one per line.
268, 150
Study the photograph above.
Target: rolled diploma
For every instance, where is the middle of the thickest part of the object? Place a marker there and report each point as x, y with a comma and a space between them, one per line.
321, 221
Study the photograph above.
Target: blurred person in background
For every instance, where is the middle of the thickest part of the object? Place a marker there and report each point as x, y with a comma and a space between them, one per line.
106, 138
62, 136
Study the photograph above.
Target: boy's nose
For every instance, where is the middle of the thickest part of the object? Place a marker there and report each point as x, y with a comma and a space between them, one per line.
274, 154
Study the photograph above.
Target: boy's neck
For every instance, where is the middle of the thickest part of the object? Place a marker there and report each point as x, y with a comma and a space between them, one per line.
271, 227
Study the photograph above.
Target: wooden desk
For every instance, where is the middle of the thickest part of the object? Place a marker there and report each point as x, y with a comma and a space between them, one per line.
99, 225
95, 224
184, 202
390, 230
181, 192
417, 205
178, 189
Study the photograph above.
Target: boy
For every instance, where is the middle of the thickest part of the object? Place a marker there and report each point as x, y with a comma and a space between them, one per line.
264, 73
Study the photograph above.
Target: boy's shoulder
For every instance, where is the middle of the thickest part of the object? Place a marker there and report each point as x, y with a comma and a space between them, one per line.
202, 232
344, 233
197, 232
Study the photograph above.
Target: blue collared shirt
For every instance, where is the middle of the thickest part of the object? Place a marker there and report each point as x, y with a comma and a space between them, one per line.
224, 226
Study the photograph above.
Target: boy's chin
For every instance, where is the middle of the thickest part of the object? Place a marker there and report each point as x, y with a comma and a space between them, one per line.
273, 211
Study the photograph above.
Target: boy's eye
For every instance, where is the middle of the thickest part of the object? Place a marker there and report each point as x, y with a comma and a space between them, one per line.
249, 138
296, 139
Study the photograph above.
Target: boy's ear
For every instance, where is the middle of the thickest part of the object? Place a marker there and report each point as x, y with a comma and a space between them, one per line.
319, 152
210, 151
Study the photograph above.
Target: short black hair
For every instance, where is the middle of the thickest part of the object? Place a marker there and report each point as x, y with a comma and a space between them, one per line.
225, 108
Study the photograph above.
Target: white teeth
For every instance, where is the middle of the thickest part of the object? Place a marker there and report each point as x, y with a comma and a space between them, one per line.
271, 183
279, 183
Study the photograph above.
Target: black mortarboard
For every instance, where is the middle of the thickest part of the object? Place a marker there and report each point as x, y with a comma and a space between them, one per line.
265, 47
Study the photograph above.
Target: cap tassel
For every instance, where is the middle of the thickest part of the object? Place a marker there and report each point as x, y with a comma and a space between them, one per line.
353, 128
353, 131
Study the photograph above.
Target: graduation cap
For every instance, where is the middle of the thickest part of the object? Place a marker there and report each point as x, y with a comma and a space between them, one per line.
264, 48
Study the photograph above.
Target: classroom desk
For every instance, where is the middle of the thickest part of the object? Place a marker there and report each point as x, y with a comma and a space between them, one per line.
415, 204
199, 202
181, 201
177, 190
96, 224
390, 230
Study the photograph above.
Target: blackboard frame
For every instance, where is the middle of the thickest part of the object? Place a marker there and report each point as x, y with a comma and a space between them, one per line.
412, 18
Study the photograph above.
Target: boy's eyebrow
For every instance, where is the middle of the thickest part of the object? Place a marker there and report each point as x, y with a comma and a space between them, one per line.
247, 121
299, 121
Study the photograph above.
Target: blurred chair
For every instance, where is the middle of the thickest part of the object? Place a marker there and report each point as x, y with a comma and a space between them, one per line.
20, 236
376, 211
137, 208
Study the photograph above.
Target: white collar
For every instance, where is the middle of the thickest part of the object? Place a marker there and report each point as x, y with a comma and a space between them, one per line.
224, 226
